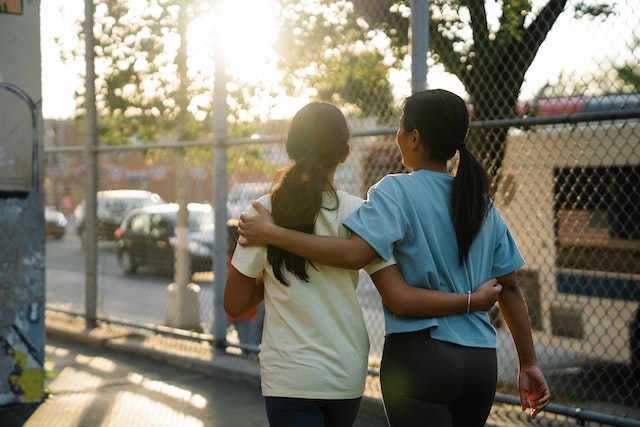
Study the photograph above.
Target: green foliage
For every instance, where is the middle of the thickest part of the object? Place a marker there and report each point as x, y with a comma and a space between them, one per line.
629, 73
324, 46
144, 93
489, 53
598, 10
336, 51
135, 91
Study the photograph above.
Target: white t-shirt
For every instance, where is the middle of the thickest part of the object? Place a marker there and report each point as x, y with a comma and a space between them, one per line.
314, 343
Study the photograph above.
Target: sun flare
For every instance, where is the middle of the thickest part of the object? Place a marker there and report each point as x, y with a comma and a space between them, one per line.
248, 33
247, 29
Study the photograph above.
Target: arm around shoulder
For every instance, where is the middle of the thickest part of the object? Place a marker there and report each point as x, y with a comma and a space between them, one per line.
260, 230
405, 300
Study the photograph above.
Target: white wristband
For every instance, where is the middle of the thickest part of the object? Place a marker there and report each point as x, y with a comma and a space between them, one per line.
468, 301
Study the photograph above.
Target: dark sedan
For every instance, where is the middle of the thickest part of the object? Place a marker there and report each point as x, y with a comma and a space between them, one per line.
112, 206
147, 238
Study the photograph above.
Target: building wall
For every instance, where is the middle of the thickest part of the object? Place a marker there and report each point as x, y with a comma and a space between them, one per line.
22, 257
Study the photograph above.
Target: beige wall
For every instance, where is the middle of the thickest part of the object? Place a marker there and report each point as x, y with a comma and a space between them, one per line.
20, 48
20, 66
22, 284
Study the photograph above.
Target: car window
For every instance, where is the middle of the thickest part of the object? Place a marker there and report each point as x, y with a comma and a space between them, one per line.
140, 224
160, 226
141, 203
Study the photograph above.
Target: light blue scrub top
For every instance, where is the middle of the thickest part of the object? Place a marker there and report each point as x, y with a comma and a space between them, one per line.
409, 216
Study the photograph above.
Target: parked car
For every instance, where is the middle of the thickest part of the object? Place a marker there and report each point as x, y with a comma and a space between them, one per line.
55, 223
112, 207
241, 194
147, 238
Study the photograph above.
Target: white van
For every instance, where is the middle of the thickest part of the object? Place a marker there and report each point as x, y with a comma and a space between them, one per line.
571, 196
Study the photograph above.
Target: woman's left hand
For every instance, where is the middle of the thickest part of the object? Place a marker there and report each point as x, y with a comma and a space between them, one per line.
534, 390
254, 230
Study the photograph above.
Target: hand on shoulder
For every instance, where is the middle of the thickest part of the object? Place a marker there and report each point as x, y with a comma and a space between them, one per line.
253, 229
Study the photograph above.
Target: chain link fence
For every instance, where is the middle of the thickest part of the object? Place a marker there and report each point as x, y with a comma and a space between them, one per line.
561, 141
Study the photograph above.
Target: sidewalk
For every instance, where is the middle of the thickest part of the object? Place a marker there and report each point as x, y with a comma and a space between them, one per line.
110, 377
115, 377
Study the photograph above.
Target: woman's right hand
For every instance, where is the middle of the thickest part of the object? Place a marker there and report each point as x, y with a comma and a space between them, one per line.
485, 297
254, 230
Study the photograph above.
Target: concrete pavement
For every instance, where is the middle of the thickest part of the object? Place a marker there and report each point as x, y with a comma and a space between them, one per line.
118, 377
111, 378
109, 388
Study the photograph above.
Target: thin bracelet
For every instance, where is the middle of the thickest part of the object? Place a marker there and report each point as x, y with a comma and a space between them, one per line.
468, 301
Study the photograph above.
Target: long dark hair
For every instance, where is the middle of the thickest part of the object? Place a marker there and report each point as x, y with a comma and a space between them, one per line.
442, 118
317, 141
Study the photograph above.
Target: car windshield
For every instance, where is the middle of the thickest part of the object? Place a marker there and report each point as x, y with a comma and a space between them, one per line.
118, 207
140, 203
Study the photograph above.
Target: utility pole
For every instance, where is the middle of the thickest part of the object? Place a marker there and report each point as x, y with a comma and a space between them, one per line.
419, 36
182, 308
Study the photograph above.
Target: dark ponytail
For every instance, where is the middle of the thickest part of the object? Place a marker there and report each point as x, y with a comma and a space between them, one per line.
442, 118
317, 141
469, 201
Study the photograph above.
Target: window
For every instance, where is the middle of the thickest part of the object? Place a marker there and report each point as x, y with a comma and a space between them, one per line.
597, 214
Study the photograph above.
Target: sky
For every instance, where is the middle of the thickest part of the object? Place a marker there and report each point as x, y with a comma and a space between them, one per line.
572, 47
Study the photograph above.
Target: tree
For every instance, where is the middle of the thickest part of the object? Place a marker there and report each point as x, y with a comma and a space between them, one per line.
490, 55
138, 95
629, 73
146, 92
323, 47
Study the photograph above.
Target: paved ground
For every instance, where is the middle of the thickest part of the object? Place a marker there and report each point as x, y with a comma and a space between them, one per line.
109, 378
109, 388
115, 377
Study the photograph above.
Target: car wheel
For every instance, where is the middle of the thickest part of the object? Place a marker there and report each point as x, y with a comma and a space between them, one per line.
127, 264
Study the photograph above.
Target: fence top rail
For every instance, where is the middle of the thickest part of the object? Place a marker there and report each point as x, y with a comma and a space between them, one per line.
632, 113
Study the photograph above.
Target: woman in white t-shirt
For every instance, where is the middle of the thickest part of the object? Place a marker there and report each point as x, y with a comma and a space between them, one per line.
314, 350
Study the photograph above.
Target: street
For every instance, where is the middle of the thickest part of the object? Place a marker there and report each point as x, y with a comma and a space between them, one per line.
138, 298
141, 298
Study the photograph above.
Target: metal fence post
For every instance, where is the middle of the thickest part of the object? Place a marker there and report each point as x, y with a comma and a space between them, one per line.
91, 170
219, 187
419, 44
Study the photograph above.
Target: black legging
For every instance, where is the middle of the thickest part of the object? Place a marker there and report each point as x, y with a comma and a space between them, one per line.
426, 382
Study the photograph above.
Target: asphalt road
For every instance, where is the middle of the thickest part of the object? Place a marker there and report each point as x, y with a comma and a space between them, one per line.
142, 297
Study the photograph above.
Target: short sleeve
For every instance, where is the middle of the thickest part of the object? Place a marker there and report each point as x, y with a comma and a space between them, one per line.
378, 264
251, 260
507, 257
378, 220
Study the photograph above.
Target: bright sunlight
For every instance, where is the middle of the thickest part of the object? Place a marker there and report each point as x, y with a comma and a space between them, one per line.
249, 35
